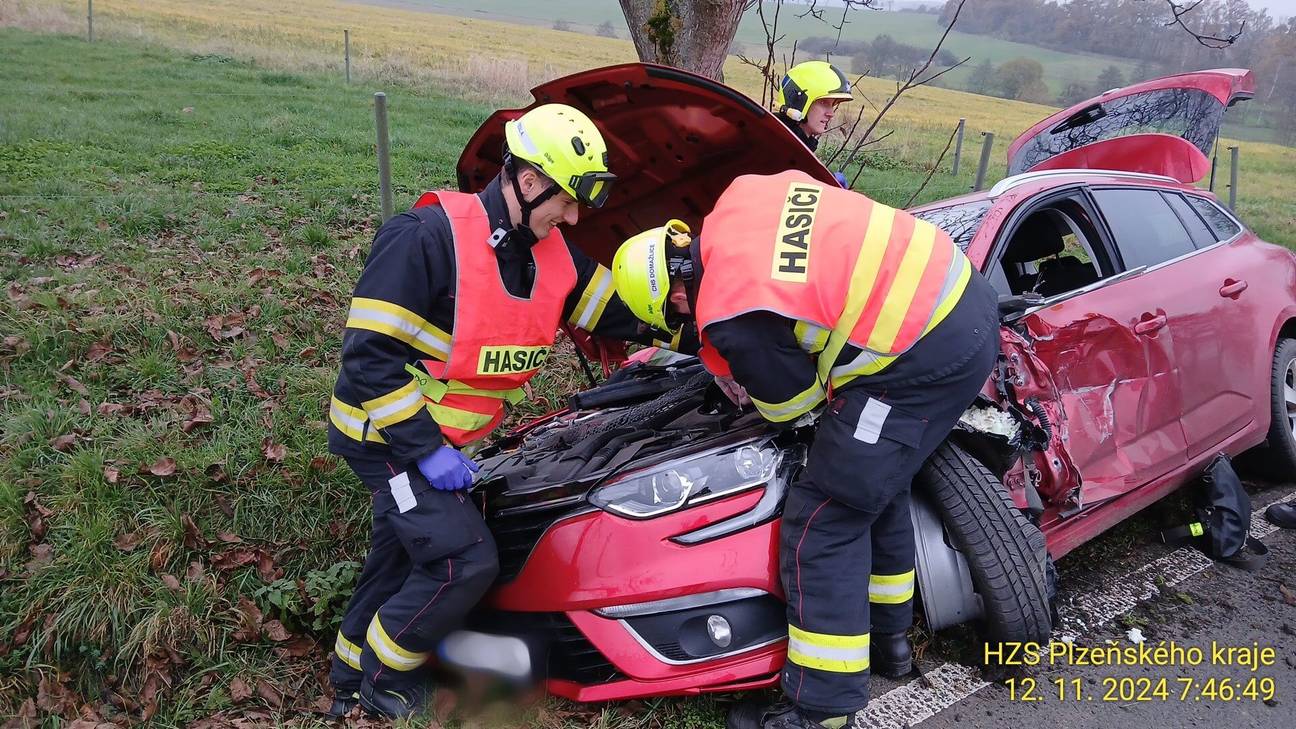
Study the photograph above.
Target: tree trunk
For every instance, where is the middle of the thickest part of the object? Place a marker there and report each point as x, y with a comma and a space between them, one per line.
690, 34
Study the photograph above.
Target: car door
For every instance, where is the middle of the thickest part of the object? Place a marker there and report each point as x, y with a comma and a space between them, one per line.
1207, 299
1111, 361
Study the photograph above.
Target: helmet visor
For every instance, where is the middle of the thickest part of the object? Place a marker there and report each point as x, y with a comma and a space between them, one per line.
592, 188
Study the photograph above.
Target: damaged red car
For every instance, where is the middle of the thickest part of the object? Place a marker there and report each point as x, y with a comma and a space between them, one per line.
1145, 329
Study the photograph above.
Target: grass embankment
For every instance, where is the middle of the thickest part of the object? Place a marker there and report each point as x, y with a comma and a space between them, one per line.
497, 62
180, 235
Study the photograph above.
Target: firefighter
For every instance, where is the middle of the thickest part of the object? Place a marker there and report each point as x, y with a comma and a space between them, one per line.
808, 98
806, 293
456, 308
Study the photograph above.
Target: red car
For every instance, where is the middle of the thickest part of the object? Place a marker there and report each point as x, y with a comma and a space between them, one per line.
1145, 329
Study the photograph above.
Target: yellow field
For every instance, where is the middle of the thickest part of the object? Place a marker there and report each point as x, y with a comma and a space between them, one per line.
499, 62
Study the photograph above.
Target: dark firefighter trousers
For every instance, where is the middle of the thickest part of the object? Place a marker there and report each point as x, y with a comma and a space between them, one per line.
847, 545
431, 559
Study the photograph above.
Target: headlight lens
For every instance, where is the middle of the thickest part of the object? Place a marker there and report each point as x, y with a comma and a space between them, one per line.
665, 488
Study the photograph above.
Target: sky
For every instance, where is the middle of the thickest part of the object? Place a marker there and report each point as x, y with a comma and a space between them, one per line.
1278, 8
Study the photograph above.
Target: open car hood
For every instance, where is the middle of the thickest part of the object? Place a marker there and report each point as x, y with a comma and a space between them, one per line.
675, 141
1165, 126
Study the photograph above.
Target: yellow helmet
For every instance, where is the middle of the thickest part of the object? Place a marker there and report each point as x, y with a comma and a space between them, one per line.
808, 82
565, 145
640, 274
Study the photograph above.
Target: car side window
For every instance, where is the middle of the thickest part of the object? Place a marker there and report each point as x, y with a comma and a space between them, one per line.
1219, 221
1201, 234
1147, 231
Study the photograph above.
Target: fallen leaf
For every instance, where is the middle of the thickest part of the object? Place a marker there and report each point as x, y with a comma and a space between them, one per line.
240, 691
193, 536
249, 621
25, 718
126, 541
1288, 596
224, 505
163, 467
98, 351
171, 582
17, 345
274, 452
84, 408
113, 408
195, 572
298, 647
38, 528
275, 631
111, 474
269, 694
63, 443
307, 353
266, 568
280, 341
53, 697
187, 110
201, 416
322, 464
72, 383
42, 554
228, 537
216, 472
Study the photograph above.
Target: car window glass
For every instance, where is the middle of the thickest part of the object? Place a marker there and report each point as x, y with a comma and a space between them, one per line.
1201, 235
960, 221
1219, 221
1147, 231
1049, 252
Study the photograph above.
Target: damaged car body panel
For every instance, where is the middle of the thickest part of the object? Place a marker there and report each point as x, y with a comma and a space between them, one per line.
638, 528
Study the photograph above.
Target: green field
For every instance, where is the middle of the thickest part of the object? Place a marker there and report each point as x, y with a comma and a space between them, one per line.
181, 234
584, 16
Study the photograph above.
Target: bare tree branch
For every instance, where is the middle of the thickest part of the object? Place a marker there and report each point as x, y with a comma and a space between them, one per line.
1179, 10
932, 171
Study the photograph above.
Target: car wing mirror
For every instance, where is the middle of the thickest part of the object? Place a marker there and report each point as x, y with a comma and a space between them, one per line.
1013, 307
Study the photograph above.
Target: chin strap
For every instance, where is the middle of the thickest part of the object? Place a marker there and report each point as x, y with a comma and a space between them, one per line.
523, 228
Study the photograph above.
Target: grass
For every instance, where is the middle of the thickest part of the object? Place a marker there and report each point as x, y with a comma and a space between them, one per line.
496, 63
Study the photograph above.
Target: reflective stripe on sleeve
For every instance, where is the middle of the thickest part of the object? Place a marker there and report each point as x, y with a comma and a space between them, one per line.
813, 338
351, 422
794, 407
396, 406
399, 323
593, 300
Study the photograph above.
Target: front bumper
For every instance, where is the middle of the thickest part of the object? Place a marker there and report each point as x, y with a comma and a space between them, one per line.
614, 609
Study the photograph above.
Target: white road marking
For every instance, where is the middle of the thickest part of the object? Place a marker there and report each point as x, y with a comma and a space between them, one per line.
908, 705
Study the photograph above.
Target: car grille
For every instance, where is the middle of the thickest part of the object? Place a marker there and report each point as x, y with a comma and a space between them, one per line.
570, 655
517, 530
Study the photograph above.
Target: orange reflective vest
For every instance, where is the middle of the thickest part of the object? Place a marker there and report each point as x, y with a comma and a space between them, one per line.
499, 341
847, 269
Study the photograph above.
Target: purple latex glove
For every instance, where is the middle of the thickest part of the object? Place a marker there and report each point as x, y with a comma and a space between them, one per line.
841, 179
447, 469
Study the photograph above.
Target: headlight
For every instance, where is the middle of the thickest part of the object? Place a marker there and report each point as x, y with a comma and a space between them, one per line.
669, 486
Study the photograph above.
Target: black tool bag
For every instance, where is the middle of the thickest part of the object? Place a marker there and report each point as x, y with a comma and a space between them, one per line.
1223, 525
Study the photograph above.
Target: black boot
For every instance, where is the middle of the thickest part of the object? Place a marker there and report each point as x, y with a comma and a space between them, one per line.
1283, 515
343, 703
393, 703
890, 655
782, 715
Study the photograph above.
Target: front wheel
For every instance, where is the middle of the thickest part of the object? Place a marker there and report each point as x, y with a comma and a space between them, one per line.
1006, 554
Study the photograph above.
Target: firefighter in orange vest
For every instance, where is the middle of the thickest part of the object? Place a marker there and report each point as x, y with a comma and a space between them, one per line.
806, 293
456, 308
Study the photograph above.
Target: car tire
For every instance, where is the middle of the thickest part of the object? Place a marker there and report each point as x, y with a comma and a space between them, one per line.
1006, 553
1277, 457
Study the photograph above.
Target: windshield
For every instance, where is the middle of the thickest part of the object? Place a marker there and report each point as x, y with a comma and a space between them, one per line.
1182, 112
960, 221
